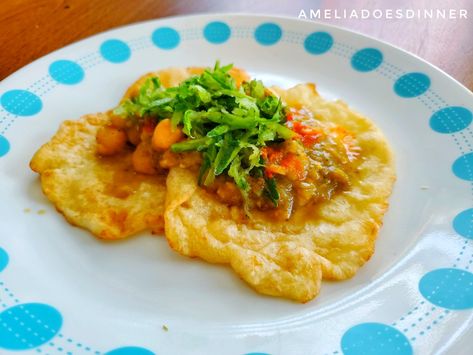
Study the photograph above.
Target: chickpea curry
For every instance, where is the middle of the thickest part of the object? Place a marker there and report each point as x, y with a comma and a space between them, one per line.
249, 149
282, 185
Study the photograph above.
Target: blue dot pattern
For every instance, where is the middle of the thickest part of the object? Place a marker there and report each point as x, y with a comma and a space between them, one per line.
21, 102
28, 325
3, 259
448, 288
115, 51
463, 223
451, 119
412, 85
367, 59
130, 350
375, 339
268, 34
463, 167
166, 38
66, 72
4, 146
318, 43
217, 32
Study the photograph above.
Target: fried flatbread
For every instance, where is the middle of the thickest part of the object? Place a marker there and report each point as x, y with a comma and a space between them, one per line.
103, 194
330, 240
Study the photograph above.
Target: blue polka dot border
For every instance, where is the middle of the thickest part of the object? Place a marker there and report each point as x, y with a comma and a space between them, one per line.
115, 51
318, 43
166, 38
367, 59
451, 119
374, 339
130, 350
449, 288
412, 85
463, 223
21, 102
66, 72
28, 325
217, 32
463, 167
268, 34
4, 258
4, 146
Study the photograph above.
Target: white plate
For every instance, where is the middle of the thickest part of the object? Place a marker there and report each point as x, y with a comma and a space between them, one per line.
63, 291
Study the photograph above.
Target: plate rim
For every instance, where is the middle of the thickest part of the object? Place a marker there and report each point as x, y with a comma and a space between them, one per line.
240, 14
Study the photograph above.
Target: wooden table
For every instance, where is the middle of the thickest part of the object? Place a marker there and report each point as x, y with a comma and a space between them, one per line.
30, 29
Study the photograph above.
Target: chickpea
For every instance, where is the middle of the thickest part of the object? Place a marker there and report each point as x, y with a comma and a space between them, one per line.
142, 159
134, 135
110, 140
165, 135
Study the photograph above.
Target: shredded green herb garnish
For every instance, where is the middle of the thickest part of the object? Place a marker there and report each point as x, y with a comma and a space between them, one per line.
229, 125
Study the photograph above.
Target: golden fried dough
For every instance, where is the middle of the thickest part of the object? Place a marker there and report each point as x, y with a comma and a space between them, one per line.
101, 194
329, 240
104, 194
